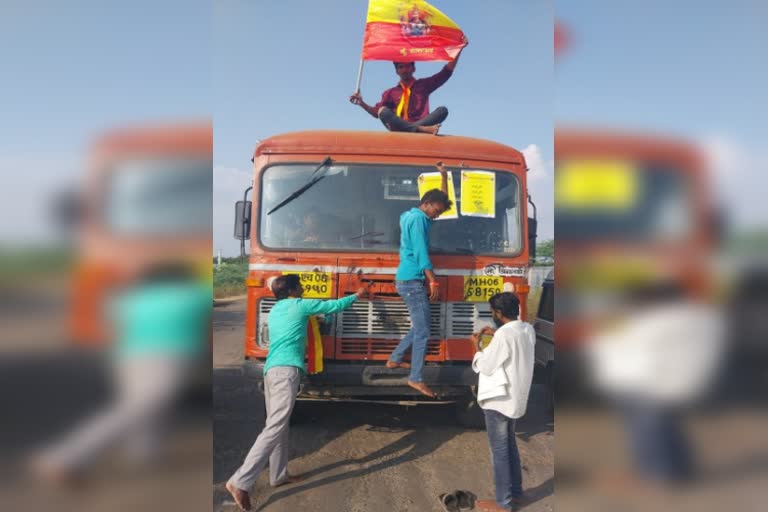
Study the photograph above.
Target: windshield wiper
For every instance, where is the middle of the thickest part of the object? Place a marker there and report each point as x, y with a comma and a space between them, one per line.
369, 233
313, 179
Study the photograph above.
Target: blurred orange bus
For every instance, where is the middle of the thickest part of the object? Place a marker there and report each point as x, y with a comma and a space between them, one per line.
147, 201
635, 221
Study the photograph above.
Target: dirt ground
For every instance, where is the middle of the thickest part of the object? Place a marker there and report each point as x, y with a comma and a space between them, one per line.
362, 456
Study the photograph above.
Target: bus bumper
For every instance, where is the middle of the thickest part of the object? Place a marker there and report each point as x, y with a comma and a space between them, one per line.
375, 380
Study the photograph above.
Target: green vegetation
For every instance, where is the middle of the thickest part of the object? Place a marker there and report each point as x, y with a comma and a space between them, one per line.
532, 304
25, 264
229, 277
546, 248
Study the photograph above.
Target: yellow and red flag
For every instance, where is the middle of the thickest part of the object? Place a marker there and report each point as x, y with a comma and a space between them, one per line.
314, 346
410, 30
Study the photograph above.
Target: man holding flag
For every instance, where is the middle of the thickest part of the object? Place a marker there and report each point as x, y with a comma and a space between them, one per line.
405, 32
405, 107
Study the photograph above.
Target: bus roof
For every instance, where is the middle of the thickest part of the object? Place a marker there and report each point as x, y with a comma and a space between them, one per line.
575, 143
185, 138
388, 144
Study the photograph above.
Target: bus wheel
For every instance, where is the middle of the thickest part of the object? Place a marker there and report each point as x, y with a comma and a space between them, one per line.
469, 413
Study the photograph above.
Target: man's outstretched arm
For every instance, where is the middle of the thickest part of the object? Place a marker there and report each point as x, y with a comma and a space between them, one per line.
443, 176
357, 99
452, 65
438, 79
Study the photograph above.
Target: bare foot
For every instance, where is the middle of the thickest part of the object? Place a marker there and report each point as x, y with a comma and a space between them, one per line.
392, 364
55, 475
430, 129
422, 388
240, 496
292, 479
489, 506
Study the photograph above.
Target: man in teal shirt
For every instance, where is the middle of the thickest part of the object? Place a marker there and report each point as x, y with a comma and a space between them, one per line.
282, 373
415, 265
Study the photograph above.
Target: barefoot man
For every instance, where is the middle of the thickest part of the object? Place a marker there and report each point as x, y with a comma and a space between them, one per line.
282, 374
413, 269
405, 107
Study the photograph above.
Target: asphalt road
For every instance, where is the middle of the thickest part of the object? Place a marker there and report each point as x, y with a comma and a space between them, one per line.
360, 456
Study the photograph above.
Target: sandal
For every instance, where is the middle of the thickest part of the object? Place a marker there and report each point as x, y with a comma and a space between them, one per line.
466, 500
450, 502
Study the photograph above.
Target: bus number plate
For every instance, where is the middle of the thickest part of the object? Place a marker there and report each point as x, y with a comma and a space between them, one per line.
317, 285
482, 288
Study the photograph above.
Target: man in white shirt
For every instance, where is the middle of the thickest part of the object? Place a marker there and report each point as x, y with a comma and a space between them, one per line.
505, 371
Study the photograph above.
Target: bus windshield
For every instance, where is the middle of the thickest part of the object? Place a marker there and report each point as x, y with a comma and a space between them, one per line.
159, 197
637, 202
357, 207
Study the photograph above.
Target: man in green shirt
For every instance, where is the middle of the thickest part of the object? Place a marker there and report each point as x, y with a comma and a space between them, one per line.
282, 373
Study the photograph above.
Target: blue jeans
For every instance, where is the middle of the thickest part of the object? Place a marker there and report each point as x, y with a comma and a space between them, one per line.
659, 446
507, 474
415, 297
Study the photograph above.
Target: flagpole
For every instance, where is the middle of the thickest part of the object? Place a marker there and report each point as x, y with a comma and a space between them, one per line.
359, 77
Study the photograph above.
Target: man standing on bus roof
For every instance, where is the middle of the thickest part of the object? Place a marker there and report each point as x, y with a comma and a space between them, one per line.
414, 267
405, 107
282, 373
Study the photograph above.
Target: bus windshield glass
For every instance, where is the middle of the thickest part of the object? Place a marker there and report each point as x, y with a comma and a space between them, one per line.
357, 207
159, 197
622, 201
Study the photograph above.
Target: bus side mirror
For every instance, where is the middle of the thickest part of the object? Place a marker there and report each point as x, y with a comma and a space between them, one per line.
243, 220
532, 226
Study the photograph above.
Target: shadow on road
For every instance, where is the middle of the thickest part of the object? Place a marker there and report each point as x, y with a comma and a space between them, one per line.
239, 417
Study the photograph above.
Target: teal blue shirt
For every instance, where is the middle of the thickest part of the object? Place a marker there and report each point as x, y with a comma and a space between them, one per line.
163, 319
288, 328
414, 245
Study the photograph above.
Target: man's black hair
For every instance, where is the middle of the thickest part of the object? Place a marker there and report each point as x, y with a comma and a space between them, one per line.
436, 196
284, 285
507, 303
395, 63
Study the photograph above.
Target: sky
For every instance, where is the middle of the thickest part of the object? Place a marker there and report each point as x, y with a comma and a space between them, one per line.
689, 68
71, 70
686, 69
291, 65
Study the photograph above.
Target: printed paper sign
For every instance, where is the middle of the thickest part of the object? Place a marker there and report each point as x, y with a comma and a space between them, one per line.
317, 285
596, 184
478, 194
430, 180
481, 288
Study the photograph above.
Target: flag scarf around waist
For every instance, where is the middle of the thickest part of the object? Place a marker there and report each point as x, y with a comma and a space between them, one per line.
402, 106
314, 346
410, 30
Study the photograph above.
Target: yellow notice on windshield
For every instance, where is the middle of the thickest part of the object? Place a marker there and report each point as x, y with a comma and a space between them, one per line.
478, 194
317, 285
596, 184
429, 180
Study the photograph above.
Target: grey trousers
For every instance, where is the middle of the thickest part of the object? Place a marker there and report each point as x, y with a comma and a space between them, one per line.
281, 385
147, 388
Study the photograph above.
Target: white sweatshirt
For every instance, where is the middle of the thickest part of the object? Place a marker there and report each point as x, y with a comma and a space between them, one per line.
506, 369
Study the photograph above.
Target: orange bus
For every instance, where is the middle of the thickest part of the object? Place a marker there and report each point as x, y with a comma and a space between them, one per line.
147, 200
635, 220
326, 205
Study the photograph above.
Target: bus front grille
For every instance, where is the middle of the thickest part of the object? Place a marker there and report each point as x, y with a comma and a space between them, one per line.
383, 320
370, 348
